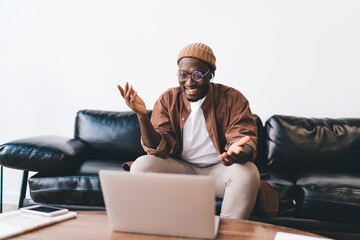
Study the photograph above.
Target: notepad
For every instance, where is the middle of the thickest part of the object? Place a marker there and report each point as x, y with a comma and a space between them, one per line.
292, 236
16, 222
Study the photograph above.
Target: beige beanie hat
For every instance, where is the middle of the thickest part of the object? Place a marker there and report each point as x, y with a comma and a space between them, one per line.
200, 51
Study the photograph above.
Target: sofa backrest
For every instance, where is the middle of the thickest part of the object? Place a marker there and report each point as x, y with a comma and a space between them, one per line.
311, 144
116, 135
110, 135
259, 160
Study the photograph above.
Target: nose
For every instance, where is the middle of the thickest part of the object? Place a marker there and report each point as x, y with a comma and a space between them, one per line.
189, 81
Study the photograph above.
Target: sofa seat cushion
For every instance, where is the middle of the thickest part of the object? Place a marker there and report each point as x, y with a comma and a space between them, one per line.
92, 166
65, 189
286, 190
333, 196
78, 187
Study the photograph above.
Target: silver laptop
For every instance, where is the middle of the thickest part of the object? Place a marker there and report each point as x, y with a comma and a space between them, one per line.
162, 204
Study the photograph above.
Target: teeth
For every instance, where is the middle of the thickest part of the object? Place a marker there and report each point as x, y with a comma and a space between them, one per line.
191, 90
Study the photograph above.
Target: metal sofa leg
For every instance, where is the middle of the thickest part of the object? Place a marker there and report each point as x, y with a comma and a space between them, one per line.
23, 189
1, 188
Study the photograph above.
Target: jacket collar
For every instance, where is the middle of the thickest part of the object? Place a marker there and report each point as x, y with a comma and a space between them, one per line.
208, 98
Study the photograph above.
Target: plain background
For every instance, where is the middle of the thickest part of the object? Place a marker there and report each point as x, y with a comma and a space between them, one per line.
298, 58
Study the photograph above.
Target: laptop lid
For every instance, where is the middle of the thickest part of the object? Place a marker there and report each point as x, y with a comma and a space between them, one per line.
162, 204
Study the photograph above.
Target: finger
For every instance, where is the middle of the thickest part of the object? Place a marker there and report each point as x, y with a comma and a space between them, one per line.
227, 163
222, 157
234, 151
133, 97
243, 141
121, 90
224, 160
231, 159
131, 90
126, 88
128, 93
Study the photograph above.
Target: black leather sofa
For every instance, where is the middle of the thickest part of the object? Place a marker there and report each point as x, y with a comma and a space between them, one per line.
313, 165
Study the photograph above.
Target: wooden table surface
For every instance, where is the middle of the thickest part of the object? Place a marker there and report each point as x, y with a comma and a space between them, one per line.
94, 225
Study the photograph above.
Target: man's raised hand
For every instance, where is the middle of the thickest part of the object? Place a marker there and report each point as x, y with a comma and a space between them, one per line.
134, 102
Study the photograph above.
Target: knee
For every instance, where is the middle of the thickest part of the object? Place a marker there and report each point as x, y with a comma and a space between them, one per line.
245, 174
253, 173
145, 163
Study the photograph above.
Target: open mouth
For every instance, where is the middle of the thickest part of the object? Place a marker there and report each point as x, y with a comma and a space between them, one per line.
191, 91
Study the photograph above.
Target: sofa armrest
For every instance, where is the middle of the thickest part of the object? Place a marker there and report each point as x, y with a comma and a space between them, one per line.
43, 153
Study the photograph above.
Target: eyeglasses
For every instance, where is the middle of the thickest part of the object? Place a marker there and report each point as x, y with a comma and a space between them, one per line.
196, 75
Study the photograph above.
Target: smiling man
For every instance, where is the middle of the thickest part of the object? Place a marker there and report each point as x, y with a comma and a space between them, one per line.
201, 128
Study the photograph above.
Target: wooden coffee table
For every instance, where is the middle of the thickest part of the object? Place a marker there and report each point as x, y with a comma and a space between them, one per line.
94, 225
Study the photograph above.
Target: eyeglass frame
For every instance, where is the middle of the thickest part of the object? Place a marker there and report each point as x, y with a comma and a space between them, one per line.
191, 75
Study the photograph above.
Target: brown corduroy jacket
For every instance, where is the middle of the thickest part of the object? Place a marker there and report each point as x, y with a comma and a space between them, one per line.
227, 114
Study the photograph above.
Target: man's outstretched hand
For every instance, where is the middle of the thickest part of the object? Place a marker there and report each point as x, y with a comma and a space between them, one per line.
132, 99
148, 134
239, 152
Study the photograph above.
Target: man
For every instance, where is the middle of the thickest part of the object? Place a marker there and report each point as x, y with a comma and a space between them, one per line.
201, 128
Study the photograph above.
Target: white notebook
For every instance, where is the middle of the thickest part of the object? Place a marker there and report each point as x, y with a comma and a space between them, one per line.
16, 222
292, 236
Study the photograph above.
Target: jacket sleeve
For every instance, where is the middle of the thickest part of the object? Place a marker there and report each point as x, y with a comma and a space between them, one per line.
161, 121
242, 123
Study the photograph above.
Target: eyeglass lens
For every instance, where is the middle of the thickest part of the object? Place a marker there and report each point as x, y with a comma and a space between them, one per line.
196, 75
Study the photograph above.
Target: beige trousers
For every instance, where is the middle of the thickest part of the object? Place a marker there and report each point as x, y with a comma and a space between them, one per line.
237, 185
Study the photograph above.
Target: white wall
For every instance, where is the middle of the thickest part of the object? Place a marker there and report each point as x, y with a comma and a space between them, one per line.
288, 57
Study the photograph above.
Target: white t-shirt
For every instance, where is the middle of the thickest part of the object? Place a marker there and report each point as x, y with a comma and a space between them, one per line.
197, 145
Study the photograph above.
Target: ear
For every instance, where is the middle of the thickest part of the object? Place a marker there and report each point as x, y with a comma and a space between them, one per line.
212, 76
